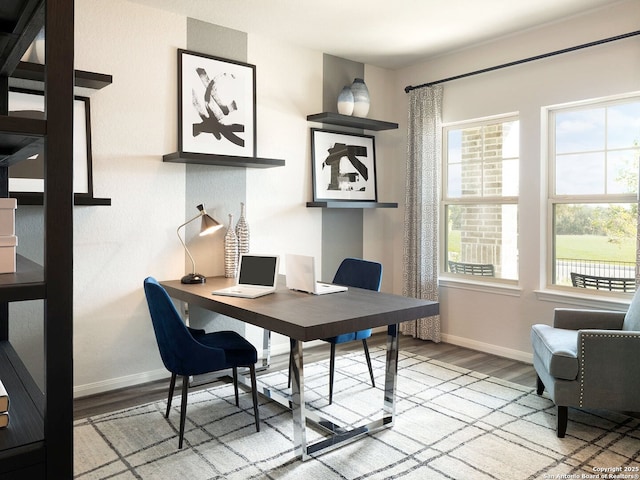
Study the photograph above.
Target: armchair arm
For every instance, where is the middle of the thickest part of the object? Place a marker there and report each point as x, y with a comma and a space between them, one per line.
577, 319
609, 369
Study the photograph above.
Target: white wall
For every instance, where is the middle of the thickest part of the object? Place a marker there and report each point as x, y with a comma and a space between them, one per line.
116, 247
500, 321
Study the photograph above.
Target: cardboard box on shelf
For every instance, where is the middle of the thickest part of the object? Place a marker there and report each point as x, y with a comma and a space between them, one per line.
8, 216
8, 244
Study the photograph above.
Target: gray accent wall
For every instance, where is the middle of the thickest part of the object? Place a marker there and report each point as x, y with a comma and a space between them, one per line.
342, 229
221, 189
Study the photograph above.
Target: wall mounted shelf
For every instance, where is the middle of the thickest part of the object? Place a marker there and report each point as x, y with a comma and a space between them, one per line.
349, 121
351, 204
79, 199
222, 160
31, 76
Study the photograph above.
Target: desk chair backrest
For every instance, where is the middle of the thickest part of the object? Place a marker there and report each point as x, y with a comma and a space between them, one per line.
355, 272
175, 342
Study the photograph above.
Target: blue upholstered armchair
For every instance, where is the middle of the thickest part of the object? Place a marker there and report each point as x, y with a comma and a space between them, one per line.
358, 273
187, 351
589, 359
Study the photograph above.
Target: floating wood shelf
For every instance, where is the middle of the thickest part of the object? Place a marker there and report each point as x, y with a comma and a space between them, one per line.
222, 160
349, 121
80, 199
31, 76
351, 204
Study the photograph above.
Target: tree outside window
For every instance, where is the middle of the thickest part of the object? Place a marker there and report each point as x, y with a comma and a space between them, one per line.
593, 162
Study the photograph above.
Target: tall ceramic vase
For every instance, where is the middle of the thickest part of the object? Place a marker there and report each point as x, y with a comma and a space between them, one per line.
360, 98
242, 232
230, 251
345, 101
38, 46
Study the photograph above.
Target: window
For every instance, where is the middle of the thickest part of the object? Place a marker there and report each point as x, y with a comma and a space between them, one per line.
480, 197
593, 187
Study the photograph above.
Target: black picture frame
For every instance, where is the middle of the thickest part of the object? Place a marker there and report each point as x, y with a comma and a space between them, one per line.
343, 166
27, 176
216, 105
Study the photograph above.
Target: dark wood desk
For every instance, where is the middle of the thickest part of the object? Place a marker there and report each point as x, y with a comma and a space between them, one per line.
304, 317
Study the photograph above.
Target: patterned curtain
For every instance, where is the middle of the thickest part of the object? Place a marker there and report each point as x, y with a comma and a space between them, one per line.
420, 256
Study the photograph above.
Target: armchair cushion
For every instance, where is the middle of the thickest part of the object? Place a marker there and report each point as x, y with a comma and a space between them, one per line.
557, 349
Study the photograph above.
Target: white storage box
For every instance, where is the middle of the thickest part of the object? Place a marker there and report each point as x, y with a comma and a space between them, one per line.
8, 216
8, 244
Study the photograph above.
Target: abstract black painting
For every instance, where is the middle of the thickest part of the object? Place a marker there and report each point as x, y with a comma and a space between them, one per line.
217, 106
343, 166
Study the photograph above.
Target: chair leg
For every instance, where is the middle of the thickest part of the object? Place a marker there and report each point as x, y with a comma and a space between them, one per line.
563, 415
183, 407
332, 366
254, 394
235, 384
172, 386
539, 385
366, 354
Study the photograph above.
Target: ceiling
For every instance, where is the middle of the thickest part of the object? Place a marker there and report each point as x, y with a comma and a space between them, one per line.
390, 34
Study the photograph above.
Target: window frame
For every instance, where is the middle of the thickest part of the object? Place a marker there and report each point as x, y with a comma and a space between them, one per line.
548, 147
481, 199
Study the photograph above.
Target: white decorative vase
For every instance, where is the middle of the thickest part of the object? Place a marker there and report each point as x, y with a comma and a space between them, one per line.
38, 47
360, 98
230, 251
242, 232
345, 101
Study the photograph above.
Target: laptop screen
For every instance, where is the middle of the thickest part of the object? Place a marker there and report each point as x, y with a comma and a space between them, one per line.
257, 270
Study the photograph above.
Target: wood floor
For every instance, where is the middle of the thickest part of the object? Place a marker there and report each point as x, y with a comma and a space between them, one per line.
504, 368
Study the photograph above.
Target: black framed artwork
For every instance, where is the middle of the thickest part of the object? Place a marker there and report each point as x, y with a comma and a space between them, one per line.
217, 105
343, 166
28, 175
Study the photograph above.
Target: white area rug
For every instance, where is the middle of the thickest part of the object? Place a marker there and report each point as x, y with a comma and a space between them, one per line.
452, 423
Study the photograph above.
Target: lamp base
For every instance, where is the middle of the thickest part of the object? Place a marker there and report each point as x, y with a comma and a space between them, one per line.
193, 278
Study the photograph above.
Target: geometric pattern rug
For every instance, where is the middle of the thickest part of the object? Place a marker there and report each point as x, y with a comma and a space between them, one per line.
451, 423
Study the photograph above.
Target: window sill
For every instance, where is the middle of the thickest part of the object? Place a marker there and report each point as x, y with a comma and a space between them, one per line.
597, 301
492, 287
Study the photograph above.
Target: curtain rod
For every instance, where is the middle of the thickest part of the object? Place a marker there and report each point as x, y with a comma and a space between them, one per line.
408, 88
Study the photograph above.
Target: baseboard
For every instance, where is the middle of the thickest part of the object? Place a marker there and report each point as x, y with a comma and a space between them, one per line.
154, 375
120, 382
280, 349
488, 348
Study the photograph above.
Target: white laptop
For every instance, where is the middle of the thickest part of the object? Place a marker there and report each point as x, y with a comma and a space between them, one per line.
301, 275
257, 276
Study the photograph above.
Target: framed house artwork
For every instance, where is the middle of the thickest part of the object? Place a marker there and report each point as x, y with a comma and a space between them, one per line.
28, 175
343, 166
217, 105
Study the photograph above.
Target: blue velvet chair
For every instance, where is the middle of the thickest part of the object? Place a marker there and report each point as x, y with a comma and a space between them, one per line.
358, 273
187, 351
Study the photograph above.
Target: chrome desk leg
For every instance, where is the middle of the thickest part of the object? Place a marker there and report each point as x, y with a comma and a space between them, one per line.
297, 401
266, 349
391, 372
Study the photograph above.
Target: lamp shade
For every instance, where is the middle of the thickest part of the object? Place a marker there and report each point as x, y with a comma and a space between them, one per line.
207, 225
